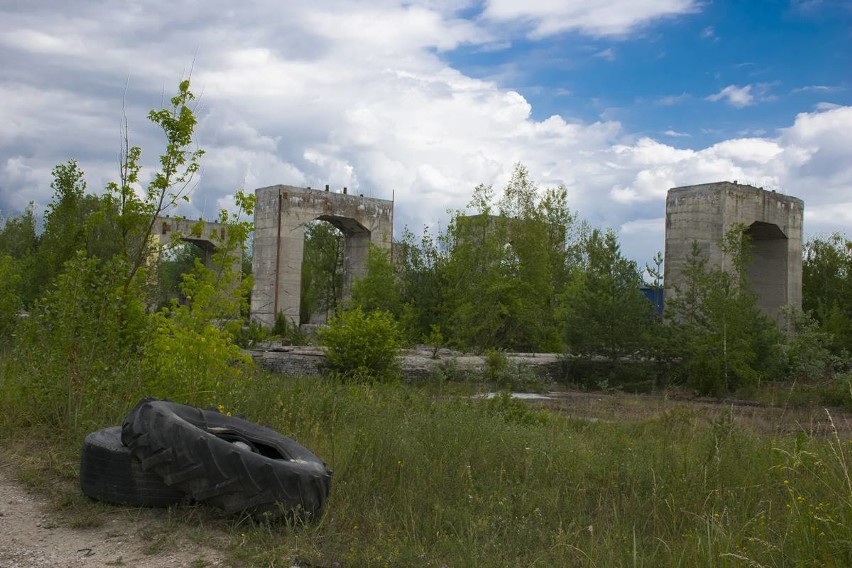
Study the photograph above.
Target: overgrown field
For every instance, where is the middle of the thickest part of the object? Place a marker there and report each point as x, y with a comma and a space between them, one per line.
425, 477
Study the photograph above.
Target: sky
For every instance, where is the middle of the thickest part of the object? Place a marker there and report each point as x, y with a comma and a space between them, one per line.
421, 100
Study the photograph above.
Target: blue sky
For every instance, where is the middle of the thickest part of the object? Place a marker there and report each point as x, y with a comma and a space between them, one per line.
617, 100
667, 79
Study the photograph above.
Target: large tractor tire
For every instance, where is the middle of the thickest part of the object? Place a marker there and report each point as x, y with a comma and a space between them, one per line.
226, 461
109, 473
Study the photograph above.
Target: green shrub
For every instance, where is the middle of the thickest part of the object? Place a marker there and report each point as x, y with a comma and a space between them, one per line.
288, 332
191, 356
362, 346
506, 374
449, 370
77, 355
515, 411
9, 300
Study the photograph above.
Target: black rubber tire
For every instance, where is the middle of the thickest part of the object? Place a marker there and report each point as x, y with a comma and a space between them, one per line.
266, 475
109, 473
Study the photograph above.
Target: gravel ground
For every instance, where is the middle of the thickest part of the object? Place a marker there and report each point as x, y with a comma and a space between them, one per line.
33, 536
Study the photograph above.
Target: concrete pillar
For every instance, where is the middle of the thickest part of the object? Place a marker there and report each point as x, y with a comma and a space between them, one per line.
281, 215
705, 213
356, 250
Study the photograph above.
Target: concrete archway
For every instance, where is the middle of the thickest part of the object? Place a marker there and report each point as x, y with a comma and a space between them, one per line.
281, 214
768, 265
705, 213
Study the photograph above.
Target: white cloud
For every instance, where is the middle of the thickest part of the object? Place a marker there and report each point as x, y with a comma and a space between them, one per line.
738, 97
608, 54
818, 89
743, 150
821, 106
672, 100
596, 17
295, 95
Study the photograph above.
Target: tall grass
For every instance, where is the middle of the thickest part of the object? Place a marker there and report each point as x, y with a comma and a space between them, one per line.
423, 480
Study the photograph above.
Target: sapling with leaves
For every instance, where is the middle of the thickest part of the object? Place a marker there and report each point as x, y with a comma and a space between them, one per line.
170, 185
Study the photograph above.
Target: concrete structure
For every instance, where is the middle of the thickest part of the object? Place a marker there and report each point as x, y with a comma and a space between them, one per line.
280, 217
203, 234
705, 213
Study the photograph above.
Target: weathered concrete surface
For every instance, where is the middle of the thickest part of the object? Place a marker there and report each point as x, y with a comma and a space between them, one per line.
415, 364
281, 215
203, 234
705, 213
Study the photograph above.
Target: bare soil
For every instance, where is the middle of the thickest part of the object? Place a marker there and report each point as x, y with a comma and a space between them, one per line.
34, 534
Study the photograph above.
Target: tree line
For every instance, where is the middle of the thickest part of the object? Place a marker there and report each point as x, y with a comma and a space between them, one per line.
86, 320
521, 272
517, 270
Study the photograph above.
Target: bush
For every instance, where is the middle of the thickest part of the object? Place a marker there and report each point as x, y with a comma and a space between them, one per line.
288, 332
9, 300
362, 346
77, 355
507, 374
191, 356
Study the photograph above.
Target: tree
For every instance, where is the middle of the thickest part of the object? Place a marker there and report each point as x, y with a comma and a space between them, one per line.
322, 270
502, 270
480, 298
379, 289
18, 237
422, 273
10, 301
827, 287
192, 355
90, 343
606, 313
727, 342
19, 242
66, 225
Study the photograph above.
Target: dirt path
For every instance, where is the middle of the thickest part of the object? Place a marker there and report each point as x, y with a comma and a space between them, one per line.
33, 535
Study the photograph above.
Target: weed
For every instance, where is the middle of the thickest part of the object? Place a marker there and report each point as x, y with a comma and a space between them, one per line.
421, 480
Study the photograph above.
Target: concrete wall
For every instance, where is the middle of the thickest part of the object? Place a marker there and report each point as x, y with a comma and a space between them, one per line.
705, 213
203, 234
280, 217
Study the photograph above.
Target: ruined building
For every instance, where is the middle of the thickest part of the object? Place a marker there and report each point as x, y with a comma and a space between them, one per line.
705, 213
281, 215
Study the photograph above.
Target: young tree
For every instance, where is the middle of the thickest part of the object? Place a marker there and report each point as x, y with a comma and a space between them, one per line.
827, 288
170, 184
18, 241
322, 270
656, 271
727, 342
362, 346
192, 355
503, 269
606, 313
380, 288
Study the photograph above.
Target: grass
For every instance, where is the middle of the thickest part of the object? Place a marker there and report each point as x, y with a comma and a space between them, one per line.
426, 480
